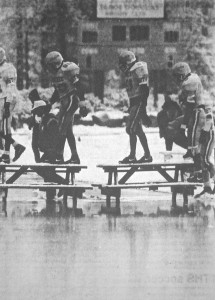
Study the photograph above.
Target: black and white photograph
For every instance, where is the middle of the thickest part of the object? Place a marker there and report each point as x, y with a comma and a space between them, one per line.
107, 149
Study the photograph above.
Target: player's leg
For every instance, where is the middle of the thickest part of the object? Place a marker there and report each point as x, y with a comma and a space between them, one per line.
206, 148
131, 158
143, 140
136, 127
72, 145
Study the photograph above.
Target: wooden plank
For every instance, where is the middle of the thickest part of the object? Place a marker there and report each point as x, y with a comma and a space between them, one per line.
146, 185
37, 186
43, 165
168, 163
128, 175
32, 171
165, 174
17, 174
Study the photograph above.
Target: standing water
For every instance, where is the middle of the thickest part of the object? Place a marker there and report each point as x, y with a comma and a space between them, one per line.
106, 258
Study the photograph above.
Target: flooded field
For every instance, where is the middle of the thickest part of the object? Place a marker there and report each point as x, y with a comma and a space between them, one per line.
134, 256
104, 257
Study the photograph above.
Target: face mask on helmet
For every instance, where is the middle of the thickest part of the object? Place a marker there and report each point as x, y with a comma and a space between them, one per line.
71, 72
180, 72
66, 78
126, 59
53, 61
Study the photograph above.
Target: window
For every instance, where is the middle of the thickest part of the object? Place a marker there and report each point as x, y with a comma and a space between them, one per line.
89, 62
170, 61
118, 33
171, 36
187, 3
89, 37
139, 33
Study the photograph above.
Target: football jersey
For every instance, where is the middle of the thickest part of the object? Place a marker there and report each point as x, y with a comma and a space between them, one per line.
191, 91
134, 77
8, 77
61, 83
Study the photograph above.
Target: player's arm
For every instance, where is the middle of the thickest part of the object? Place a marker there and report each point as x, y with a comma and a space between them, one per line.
141, 73
189, 104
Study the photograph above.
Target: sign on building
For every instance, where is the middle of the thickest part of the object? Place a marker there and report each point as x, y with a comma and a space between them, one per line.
130, 9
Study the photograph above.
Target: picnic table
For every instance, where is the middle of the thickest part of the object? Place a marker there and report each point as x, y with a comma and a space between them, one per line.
173, 174
10, 173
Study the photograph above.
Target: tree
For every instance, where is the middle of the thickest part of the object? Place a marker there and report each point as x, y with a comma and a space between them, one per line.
88, 9
199, 48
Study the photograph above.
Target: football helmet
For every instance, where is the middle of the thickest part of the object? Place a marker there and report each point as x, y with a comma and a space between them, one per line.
180, 71
53, 61
126, 58
65, 78
71, 72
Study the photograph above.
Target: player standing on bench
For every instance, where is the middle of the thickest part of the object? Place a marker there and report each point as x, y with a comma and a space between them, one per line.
197, 111
8, 100
207, 142
136, 80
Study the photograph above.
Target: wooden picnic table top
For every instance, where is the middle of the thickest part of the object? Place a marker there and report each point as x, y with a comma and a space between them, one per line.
152, 164
43, 165
44, 186
148, 184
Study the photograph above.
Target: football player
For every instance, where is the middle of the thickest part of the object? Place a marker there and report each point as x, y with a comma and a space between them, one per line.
136, 80
169, 121
197, 119
64, 77
190, 96
207, 143
8, 100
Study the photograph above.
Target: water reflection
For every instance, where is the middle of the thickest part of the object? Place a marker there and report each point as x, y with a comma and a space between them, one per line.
105, 257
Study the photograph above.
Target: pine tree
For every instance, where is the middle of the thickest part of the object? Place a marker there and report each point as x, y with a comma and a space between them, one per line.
200, 47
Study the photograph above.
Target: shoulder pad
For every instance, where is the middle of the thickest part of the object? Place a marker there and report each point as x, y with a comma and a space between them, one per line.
140, 68
191, 82
8, 71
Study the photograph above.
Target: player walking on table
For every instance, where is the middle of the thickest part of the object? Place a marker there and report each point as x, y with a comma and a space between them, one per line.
136, 79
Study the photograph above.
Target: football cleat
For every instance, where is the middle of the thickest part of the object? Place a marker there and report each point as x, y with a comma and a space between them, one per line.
128, 160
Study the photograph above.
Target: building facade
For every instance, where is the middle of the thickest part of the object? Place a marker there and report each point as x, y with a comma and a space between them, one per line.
157, 31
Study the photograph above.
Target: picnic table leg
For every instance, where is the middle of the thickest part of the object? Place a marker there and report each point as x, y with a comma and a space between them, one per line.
185, 197
4, 202
118, 200
5, 192
50, 194
75, 197
74, 201
110, 177
118, 196
115, 177
65, 204
185, 192
174, 190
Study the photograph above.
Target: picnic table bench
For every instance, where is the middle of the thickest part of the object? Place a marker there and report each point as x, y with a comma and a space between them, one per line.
172, 172
15, 171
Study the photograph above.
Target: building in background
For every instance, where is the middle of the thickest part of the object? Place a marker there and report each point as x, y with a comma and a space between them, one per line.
156, 30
